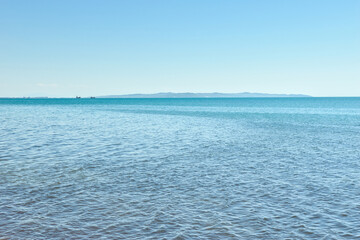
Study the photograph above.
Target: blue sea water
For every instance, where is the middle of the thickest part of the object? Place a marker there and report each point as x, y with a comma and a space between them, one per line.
256, 168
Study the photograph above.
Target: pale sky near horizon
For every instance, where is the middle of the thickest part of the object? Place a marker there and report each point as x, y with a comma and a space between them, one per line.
90, 48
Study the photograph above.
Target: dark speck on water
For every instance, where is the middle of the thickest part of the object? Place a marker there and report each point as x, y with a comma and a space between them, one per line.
260, 168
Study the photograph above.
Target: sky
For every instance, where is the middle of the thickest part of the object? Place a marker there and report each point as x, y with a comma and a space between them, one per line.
90, 48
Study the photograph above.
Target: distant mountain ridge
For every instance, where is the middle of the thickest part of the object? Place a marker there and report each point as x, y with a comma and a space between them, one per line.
203, 95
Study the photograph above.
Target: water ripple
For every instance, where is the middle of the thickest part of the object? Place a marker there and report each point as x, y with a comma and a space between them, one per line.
167, 171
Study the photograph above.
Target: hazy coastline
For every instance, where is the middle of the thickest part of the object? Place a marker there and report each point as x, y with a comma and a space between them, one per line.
181, 95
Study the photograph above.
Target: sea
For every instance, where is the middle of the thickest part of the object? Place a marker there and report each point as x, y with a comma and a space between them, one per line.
195, 168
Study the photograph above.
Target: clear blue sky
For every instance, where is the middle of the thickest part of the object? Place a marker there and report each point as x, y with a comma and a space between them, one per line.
85, 47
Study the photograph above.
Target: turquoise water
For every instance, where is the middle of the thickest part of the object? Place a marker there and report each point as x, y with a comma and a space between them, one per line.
271, 168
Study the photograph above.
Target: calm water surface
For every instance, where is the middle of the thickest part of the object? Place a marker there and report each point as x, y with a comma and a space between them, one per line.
286, 168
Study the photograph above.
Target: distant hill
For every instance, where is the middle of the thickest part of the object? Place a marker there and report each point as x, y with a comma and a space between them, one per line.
204, 95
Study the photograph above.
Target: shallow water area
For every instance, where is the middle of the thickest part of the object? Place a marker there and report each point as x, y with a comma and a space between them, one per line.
264, 168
